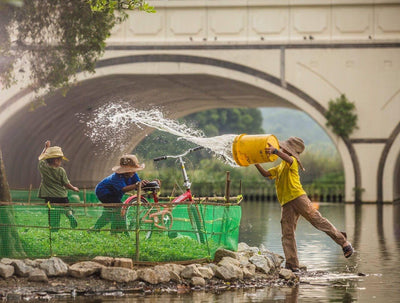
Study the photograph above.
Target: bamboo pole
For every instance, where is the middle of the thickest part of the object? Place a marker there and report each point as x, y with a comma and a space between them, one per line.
30, 193
84, 199
227, 187
137, 230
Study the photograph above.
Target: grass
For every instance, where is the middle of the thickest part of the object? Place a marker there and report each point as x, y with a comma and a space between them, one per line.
80, 244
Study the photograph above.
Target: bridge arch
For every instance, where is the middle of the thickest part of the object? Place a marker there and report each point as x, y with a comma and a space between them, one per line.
389, 168
173, 64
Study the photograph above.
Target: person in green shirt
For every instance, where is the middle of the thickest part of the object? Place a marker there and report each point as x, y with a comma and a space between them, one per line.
54, 185
295, 202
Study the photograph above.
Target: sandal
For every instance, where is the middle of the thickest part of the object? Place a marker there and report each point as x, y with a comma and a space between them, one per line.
348, 251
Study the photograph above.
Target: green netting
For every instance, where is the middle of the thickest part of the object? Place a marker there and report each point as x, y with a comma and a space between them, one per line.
32, 196
163, 232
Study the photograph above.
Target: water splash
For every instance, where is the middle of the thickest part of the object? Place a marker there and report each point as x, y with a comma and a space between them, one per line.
111, 124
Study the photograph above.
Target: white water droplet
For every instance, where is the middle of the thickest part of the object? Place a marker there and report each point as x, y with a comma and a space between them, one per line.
111, 124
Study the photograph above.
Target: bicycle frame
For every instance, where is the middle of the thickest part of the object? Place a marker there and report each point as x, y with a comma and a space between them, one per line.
162, 218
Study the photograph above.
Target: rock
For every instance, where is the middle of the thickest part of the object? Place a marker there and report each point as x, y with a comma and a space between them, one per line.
229, 272
286, 274
174, 271
206, 272
123, 262
262, 264
33, 263
162, 273
6, 270
253, 251
198, 281
274, 259
212, 266
7, 261
247, 273
118, 274
243, 247
21, 269
252, 268
190, 271
85, 269
228, 260
175, 277
106, 261
244, 260
148, 275
175, 267
222, 252
54, 267
38, 275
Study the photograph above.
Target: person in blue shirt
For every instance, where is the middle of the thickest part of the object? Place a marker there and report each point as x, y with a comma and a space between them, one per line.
112, 188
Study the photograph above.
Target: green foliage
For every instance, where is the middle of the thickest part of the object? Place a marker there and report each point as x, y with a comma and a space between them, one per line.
341, 117
53, 40
221, 121
120, 5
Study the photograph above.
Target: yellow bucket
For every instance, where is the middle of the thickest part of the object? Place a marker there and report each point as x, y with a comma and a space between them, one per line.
250, 149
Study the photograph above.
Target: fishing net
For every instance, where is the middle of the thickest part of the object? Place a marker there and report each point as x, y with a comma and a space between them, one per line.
84, 228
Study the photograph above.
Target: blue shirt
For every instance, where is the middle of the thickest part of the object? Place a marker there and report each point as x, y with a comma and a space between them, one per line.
112, 185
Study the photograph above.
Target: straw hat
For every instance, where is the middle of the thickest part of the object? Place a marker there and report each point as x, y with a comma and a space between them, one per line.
295, 146
128, 164
53, 152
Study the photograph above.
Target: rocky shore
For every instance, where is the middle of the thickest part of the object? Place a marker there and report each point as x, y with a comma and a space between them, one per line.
45, 279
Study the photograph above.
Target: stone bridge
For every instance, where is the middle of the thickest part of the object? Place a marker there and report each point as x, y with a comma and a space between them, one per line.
195, 55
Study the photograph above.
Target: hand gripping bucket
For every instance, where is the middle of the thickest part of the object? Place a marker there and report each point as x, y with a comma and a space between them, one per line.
250, 149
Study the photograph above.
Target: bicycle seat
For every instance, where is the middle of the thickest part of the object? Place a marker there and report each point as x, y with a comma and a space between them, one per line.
151, 185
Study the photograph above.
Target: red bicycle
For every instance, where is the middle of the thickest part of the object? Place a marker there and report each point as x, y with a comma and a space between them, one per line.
153, 214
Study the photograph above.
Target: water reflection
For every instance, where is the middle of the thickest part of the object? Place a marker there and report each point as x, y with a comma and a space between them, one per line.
396, 224
371, 275
374, 231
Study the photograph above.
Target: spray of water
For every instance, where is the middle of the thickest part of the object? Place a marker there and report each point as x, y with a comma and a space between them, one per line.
112, 123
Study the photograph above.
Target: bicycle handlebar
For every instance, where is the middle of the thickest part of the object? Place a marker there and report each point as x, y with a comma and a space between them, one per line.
178, 156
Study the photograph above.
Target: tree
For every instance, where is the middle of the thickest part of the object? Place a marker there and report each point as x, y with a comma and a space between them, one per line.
10, 245
216, 122
341, 117
52, 40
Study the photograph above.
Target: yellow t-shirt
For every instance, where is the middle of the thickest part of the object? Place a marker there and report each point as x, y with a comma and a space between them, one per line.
287, 181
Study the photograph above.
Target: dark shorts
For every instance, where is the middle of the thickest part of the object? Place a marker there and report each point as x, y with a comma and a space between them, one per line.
56, 200
109, 199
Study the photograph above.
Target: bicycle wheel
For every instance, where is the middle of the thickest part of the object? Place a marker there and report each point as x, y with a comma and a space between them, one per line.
165, 220
195, 220
145, 209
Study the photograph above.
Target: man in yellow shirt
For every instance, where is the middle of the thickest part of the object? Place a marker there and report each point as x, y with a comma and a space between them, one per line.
294, 201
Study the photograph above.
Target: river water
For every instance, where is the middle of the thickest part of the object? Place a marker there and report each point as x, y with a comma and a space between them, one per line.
372, 274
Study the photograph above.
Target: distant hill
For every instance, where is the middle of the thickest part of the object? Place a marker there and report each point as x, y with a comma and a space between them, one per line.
284, 123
